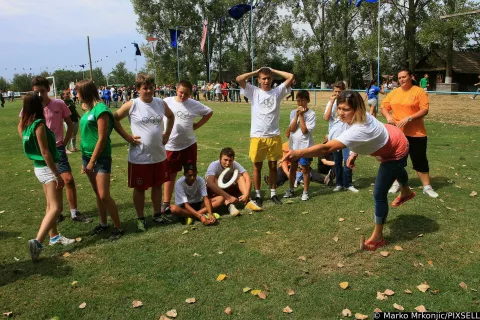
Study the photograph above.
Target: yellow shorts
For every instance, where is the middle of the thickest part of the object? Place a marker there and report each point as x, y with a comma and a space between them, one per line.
265, 148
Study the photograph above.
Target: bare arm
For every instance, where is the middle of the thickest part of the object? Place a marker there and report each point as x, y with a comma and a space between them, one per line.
317, 150
20, 128
171, 120
303, 125
293, 124
328, 112
102, 123
68, 134
242, 79
202, 121
289, 77
327, 162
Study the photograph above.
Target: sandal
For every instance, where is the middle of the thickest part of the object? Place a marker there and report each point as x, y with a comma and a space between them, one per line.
373, 245
399, 201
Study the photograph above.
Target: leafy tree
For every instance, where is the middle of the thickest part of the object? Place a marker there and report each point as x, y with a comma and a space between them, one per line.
121, 75
22, 82
4, 85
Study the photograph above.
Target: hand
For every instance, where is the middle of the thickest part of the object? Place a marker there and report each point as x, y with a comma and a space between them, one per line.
402, 123
232, 199
89, 168
390, 120
134, 140
165, 138
195, 126
243, 198
290, 156
204, 220
83, 169
211, 218
333, 97
351, 162
60, 182
287, 133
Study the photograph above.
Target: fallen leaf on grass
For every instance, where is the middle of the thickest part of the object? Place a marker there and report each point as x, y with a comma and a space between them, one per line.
361, 316
388, 292
164, 317
196, 254
430, 262
304, 212
398, 307
190, 300
66, 254
435, 291
172, 313
335, 238
185, 232
78, 239
357, 229
340, 265
398, 248
268, 232
302, 258
242, 241
362, 211
423, 287
289, 202
473, 194
2, 211
82, 306
463, 285
346, 313
421, 308
228, 311
16, 259
341, 219
287, 309
377, 310
291, 292
420, 235
8, 314
246, 289
344, 285
137, 304
255, 292
74, 283
384, 253
407, 291
381, 296
221, 277
263, 295
220, 252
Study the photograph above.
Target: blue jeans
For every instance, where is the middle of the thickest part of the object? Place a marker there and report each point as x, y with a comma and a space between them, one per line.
343, 175
388, 172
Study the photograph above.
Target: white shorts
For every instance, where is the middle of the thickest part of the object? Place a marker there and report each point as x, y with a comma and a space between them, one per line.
44, 175
372, 102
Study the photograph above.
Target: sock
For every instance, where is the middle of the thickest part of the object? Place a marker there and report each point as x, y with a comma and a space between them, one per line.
73, 212
305, 192
104, 224
259, 195
273, 192
427, 187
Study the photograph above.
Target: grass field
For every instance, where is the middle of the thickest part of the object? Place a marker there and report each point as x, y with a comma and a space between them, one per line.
164, 266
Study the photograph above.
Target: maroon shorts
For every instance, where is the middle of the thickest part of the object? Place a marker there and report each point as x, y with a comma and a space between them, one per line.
233, 190
178, 159
144, 176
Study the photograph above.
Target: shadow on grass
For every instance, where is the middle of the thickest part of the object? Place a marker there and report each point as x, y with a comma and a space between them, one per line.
407, 227
436, 182
8, 234
46, 267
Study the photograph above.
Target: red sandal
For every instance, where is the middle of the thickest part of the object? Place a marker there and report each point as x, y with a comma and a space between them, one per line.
399, 201
373, 245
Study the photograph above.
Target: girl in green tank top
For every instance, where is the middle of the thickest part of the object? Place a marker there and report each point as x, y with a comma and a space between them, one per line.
39, 145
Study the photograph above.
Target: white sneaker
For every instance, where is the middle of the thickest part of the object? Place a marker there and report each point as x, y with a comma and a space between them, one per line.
353, 189
430, 192
305, 197
62, 240
337, 188
233, 210
288, 194
394, 188
295, 184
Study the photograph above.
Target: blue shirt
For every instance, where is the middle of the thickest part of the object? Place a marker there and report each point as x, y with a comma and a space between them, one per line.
372, 93
106, 94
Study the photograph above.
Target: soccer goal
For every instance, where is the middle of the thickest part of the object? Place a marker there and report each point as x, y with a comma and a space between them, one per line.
53, 87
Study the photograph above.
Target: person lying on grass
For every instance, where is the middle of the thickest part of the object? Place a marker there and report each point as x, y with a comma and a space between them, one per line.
364, 134
191, 197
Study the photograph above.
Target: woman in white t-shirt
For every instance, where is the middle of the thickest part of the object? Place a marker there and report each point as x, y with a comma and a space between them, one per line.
366, 135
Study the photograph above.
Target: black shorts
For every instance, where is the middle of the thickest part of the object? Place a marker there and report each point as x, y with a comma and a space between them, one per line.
195, 206
418, 153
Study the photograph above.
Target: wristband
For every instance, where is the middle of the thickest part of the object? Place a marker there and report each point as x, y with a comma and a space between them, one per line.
409, 119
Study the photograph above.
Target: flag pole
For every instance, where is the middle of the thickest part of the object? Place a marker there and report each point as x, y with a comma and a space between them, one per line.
251, 36
178, 60
208, 51
378, 46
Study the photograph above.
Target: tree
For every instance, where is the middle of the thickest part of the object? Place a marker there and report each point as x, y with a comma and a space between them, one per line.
121, 75
4, 85
64, 77
22, 82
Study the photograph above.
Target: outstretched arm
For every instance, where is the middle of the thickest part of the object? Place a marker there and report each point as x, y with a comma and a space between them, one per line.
242, 79
317, 150
289, 77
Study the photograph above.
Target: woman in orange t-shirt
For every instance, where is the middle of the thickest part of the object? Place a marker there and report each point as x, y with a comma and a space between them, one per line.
405, 107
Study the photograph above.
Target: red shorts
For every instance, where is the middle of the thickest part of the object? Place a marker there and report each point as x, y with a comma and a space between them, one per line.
177, 159
233, 190
144, 176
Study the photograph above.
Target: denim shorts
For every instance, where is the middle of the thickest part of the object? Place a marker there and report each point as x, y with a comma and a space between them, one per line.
102, 165
63, 164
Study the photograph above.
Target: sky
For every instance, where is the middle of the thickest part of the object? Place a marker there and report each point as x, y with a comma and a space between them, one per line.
53, 33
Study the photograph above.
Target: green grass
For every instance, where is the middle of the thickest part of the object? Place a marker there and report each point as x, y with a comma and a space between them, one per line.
158, 267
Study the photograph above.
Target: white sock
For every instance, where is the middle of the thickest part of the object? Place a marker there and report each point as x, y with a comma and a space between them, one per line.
73, 212
258, 193
273, 192
305, 192
427, 187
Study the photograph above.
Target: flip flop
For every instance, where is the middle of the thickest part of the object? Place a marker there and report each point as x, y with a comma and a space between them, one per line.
373, 245
399, 201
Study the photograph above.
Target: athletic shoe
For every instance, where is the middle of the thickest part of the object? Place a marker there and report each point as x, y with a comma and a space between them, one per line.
165, 208
61, 240
161, 219
329, 177
81, 218
276, 200
253, 206
295, 184
60, 218
288, 194
305, 197
233, 210
337, 188
98, 229
394, 188
258, 201
35, 248
353, 189
141, 225
116, 234
430, 192
188, 221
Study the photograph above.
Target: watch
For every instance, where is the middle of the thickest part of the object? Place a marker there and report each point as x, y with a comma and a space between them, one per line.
409, 119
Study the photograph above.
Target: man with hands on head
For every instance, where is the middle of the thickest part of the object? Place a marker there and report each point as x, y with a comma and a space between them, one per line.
265, 140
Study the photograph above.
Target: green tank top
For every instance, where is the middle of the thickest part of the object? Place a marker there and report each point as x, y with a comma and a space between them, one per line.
31, 147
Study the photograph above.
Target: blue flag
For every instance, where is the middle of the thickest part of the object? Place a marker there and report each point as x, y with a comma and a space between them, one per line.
237, 11
359, 2
174, 35
137, 52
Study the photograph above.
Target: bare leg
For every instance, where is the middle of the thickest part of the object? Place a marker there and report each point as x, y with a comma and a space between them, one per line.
168, 187
377, 234
292, 173
54, 208
71, 190
103, 183
244, 189
139, 201
257, 175
424, 178
102, 211
157, 199
216, 202
306, 178
272, 165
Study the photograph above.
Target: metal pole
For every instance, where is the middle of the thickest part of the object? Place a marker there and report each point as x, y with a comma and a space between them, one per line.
378, 47
90, 57
178, 60
251, 35
208, 51
155, 66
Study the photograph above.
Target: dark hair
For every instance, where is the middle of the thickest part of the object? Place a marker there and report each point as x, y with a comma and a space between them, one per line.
188, 167
303, 94
266, 71
186, 84
354, 100
88, 92
143, 79
339, 84
32, 109
40, 81
227, 152
402, 69
372, 82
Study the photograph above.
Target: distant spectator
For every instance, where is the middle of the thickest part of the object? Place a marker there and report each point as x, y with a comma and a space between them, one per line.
478, 88
424, 83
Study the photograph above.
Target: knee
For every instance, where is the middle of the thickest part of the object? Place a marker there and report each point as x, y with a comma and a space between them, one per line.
69, 181
104, 196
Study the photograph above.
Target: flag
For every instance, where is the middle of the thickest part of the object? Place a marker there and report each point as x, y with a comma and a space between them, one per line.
82, 66
137, 52
237, 11
359, 2
153, 43
174, 35
204, 34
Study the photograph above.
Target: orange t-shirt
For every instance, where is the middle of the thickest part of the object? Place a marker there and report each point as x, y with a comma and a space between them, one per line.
405, 103
285, 150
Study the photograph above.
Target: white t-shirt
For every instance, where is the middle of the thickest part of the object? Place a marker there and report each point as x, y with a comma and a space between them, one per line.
146, 121
265, 110
365, 138
218, 88
191, 194
298, 140
182, 135
335, 125
215, 168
